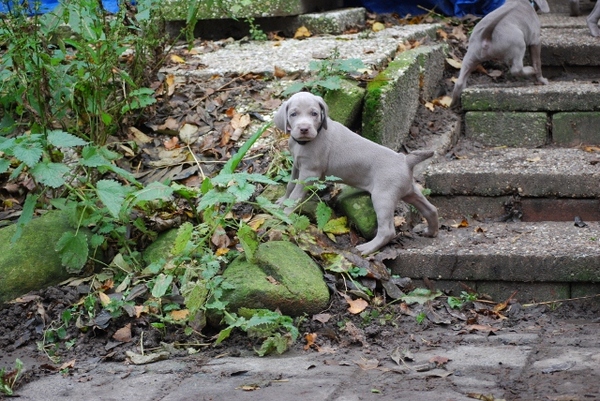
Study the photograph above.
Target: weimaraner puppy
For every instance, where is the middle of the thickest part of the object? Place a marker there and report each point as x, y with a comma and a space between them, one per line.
592, 19
322, 147
505, 34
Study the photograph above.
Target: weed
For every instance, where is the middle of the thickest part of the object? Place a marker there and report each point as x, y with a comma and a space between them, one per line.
255, 32
421, 317
458, 302
328, 74
8, 379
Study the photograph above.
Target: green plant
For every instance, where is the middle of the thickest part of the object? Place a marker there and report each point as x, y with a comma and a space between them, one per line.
8, 379
78, 78
327, 74
255, 32
421, 317
458, 302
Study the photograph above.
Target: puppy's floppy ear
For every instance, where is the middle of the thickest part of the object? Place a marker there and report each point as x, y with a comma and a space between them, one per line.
324, 111
280, 117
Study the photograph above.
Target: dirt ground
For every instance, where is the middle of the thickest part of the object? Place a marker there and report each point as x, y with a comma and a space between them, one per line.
377, 329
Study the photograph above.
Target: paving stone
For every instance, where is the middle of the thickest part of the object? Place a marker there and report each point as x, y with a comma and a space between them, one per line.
576, 128
525, 129
333, 22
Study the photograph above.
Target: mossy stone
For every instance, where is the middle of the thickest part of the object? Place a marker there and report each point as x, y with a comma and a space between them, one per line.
282, 277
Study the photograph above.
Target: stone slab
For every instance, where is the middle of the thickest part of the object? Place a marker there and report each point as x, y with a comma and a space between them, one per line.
236, 9
569, 46
492, 208
559, 172
548, 252
556, 96
294, 56
576, 128
333, 22
506, 128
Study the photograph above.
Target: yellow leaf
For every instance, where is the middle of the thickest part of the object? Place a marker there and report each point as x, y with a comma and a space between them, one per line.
430, 106
443, 101
302, 32
180, 314
176, 59
378, 26
454, 63
104, 299
337, 226
170, 81
221, 251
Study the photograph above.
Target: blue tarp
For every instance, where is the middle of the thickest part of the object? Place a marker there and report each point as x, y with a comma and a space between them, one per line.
458, 8
49, 5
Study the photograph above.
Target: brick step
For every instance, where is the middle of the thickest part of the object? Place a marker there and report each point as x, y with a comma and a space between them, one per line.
542, 261
526, 115
546, 184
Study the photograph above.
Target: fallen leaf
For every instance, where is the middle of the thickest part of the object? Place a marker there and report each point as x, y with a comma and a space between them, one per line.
302, 32
272, 280
356, 305
454, 63
181, 314
104, 299
310, 340
482, 328
138, 136
172, 143
368, 364
170, 81
534, 159
138, 359
279, 72
443, 101
495, 73
250, 387
378, 26
189, 133
439, 360
123, 334
484, 397
430, 106
176, 59
67, 365
322, 317
459, 33
463, 224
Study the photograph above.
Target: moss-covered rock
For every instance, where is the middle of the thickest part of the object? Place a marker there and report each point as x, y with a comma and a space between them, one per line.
161, 247
356, 204
283, 277
345, 104
31, 263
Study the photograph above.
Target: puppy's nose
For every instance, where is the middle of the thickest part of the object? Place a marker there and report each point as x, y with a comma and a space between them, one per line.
303, 130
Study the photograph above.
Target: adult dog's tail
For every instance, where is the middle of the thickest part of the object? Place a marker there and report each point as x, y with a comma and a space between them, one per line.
416, 157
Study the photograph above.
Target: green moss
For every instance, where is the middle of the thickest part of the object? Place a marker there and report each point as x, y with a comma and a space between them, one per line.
219, 9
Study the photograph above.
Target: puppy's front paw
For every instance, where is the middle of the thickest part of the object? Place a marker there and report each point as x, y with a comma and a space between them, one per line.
542, 81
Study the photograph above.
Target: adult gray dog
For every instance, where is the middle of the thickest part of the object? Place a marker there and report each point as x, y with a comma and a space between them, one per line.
505, 34
322, 147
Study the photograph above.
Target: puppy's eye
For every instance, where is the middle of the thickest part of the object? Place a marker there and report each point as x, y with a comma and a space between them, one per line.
314, 113
293, 114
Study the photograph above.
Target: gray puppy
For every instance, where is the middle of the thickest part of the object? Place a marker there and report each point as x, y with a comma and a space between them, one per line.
591, 20
505, 34
323, 147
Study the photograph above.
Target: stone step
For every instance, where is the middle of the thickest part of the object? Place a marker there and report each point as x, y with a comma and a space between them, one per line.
546, 184
542, 261
527, 115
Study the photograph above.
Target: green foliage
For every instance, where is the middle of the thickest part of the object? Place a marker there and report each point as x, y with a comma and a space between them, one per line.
458, 302
327, 74
79, 76
255, 32
8, 379
421, 317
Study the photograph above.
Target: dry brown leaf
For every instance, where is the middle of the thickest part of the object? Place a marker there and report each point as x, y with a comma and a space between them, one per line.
220, 238
454, 63
439, 360
442, 34
443, 101
302, 32
322, 317
459, 33
591, 148
272, 280
250, 387
429, 106
123, 334
368, 364
104, 299
481, 327
463, 224
181, 314
170, 81
172, 143
279, 72
310, 340
138, 136
356, 305
495, 73
67, 365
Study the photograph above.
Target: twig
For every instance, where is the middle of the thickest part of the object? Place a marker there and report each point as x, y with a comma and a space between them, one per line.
560, 300
196, 160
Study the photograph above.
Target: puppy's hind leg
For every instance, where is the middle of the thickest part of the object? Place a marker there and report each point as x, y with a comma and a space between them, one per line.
427, 210
384, 209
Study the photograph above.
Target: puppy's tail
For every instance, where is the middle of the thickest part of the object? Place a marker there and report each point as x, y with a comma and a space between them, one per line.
490, 23
416, 157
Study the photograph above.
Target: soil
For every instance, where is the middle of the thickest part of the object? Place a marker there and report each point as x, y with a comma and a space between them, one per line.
26, 321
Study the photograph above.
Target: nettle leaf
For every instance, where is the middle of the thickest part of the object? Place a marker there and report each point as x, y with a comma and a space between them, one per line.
29, 152
4, 165
184, 235
154, 190
50, 174
337, 226
92, 157
62, 139
26, 215
249, 241
242, 191
112, 194
323, 213
73, 250
214, 197
331, 83
420, 296
161, 285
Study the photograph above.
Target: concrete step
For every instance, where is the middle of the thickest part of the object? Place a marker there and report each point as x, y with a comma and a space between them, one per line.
547, 184
526, 115
542, 261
